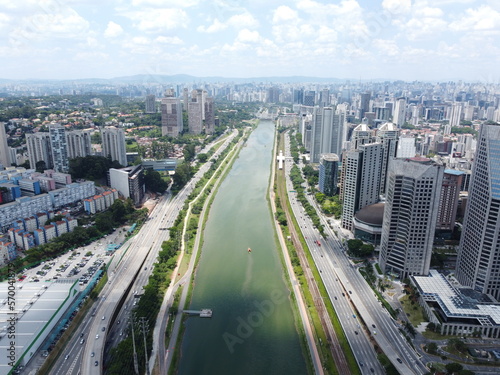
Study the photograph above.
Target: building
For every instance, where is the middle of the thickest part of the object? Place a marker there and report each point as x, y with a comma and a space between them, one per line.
478, 261
129, 182
367, 223
457, 310
4, 149
29, 187
399, 112
327, 132
195, 112
39, 149
328, 174
171, 115
387, 136
113, 144
448, 202
406, 148
59, 148
209, 116
150, 104
410, 214
364, 104
79, 143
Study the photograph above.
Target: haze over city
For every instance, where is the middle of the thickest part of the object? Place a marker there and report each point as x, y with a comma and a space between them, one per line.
349, 39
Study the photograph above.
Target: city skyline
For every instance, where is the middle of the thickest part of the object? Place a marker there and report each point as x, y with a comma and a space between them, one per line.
347, 39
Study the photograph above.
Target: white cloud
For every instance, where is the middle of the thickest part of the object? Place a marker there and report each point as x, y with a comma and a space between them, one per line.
113, 30
480, 19
396, 7
169, 40
242, 20
213, 28
386, 47
166, 3
153, 20
247, 36
284, 13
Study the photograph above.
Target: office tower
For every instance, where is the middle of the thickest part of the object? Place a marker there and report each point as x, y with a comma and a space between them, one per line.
478, 262
387, 136
361, 179
4, 149
171, 115
185, 99
195, 112
399, 112
129, 182
273, 95
364, 104
448, 202
113, 144
309, 98
324, 98
327, 132
150, 104
39, 149
410, 215
454, 117
59, 148
79, 143
406, 148
209, 116
328, 174
298, 96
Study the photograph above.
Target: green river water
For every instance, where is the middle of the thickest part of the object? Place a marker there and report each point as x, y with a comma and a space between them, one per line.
252, 330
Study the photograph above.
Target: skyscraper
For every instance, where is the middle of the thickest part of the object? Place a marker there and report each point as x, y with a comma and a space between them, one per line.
39, 149
448, 203
171, 115
209, 116
150, 104
387, 136
399, 112
328, 174
113, 144
4, 149
79, 143
410, 215
195, 112
327, 132
364, 104
478, 262
59, 148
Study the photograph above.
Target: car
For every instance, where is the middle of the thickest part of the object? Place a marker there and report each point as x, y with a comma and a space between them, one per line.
372, 370
335, 298
350, 292
67, 356
118, 322
92, 354
103, 329
103, 317
373, 325
399, 360
343, 294
97, 336
96, 363
356, 332
81, 335
82, 341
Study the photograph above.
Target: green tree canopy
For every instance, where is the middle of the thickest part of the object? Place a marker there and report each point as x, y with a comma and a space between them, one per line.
154, 182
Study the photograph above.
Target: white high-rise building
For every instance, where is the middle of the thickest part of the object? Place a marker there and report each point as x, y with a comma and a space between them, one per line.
478, 262
4, 149
39, 149
399, 112
387, 136
327, 132
79, 143
113, 144
410, 214
406, 147
195, 110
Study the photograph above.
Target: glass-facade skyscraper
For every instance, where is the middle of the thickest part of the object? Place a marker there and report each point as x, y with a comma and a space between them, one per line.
478, 262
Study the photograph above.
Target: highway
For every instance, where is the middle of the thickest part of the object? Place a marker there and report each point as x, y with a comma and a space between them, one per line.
101, 327
353, 299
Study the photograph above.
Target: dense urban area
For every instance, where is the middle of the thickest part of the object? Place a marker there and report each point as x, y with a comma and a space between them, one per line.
385, 196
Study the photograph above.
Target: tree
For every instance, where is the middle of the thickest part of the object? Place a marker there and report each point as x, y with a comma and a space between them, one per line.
453, 368
189, 152
354, 245
40, 166
202, 158
154, 182
431, 348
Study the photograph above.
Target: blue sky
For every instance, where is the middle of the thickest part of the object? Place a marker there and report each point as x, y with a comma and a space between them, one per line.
361, 39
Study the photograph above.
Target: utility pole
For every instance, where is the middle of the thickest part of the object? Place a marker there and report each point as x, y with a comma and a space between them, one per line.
145, 329
136, 365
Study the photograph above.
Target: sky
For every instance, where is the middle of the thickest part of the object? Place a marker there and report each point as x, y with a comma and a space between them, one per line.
357, 39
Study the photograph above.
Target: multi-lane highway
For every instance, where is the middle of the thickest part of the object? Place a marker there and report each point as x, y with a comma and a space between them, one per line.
127, 276
360, 313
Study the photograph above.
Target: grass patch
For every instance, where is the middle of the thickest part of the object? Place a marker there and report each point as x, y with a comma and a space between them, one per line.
414, 312
377, 267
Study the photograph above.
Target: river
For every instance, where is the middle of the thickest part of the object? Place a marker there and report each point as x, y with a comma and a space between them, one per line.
252, 330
